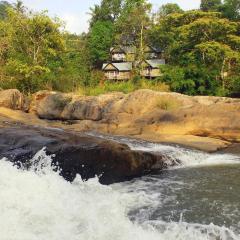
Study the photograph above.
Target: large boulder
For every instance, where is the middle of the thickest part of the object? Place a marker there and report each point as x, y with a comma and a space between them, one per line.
12, 99
49, 105
60, 106
77, 154
83, 109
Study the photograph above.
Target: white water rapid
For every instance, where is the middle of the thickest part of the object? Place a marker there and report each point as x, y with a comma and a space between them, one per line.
40, 205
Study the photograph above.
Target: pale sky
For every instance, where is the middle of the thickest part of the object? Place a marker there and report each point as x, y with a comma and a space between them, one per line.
75, 12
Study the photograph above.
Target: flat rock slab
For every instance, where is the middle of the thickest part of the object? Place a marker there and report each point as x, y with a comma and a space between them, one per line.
77, 153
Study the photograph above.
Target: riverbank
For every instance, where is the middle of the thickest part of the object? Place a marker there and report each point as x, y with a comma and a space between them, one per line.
196, 142
204, 123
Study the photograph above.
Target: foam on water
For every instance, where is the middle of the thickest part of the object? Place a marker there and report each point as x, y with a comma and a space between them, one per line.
187, 157
39, 204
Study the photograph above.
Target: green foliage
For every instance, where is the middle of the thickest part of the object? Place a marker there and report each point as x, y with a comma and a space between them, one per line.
234, 86
99, 42
202, 51
202, 48
4, 5
107, 10
231, 9
210, 5
169, 8
132, 23
190, 80
74, 68
31, 41
125, 87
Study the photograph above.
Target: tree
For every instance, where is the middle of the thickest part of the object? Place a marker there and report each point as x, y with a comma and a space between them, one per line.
74, 70
231, 9
100, 41
210, 5
107, 10
169, 8
4, 5
220, 57
203, 47
32, 41
132, 25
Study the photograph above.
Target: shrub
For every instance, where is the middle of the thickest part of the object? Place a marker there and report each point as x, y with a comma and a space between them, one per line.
125, 87
168, 103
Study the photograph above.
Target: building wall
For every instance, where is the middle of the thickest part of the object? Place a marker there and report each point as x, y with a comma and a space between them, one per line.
118, 57
153, 73
118, 76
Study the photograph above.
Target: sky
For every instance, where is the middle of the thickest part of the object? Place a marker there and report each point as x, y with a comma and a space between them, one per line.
75, 13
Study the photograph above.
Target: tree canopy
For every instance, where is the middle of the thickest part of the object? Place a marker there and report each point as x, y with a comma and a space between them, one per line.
201, 46
30, 41
169, 8
210, 5
4, 5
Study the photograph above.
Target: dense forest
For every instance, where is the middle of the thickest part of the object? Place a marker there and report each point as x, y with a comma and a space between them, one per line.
201, 47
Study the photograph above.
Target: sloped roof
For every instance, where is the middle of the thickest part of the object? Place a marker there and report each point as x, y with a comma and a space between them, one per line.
129, 49
154, 63
123, 66
157, 49
124, 49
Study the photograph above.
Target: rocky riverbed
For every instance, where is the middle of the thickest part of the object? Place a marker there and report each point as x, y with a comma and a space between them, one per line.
196, 199
204, 123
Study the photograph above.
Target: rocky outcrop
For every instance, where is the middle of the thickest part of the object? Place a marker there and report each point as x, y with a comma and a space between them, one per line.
12, 99
147, 114
76, 153
53, 105
206, 123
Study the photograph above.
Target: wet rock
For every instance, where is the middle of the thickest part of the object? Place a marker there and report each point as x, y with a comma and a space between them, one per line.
78, 154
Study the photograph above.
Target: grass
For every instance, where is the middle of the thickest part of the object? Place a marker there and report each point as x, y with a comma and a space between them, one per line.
168, 103
125, 87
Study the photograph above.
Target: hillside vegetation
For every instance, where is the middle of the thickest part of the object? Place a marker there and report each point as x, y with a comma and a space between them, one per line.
202, 48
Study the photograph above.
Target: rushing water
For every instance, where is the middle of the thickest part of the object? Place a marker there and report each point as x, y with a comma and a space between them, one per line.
197, 200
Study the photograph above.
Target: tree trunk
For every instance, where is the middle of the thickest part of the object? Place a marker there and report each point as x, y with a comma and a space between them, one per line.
222, 74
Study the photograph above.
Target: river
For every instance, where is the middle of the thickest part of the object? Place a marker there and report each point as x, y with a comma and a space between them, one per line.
196, 200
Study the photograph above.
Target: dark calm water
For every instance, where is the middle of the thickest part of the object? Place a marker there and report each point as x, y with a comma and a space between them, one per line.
203, 195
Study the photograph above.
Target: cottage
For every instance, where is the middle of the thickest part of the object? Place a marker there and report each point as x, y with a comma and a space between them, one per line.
123, 60
128, 53
123, 54
151, 68
117, 71
151, 52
